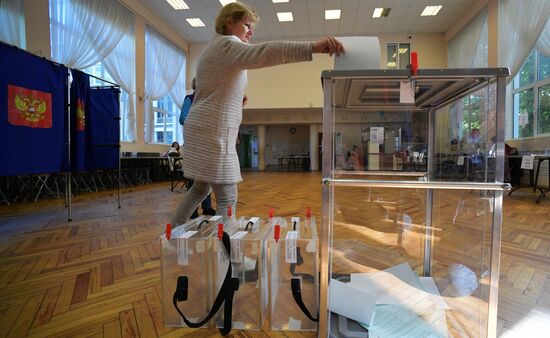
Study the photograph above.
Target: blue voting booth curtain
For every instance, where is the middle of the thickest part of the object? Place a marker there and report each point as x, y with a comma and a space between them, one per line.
33, 109
80, 108
104, 124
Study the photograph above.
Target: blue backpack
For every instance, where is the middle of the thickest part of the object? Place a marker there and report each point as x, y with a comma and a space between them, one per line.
185, 107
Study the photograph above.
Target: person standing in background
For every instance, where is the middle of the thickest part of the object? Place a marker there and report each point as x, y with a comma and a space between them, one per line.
213, 123
186, 106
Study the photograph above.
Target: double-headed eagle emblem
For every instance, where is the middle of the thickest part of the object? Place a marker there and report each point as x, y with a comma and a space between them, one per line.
30, 108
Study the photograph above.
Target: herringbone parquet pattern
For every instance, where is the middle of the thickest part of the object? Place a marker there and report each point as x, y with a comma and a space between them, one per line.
99, 275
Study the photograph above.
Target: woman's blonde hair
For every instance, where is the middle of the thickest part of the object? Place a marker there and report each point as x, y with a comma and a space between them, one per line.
234, 11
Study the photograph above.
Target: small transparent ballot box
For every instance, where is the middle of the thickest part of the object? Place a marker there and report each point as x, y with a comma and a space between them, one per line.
413, 168
248, 237
294, 280
188, 252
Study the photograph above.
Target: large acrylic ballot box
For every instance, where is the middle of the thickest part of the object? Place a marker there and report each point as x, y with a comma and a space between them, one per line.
412, 200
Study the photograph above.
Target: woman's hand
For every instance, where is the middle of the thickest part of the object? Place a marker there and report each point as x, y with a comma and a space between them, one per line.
329, 45
245, 100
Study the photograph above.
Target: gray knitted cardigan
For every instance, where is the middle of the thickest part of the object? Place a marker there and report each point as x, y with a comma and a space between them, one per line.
209, 152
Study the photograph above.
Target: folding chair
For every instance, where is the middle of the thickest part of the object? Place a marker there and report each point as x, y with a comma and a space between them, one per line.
176, 172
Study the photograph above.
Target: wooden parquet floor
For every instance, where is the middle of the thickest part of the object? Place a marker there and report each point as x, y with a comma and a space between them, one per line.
99, 275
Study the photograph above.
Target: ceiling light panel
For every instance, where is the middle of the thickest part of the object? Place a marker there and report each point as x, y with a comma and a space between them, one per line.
225, 2
431, 10
195, 22
285, 16
178, 4
279, 1
332, 14
380, 12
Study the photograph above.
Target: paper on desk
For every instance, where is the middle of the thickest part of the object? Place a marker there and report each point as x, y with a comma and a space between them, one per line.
527, 162
362, 52
351, 302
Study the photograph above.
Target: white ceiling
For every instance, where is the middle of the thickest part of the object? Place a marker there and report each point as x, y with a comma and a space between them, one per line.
309, 18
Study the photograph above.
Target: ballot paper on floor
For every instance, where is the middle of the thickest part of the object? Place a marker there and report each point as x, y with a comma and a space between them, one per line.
351, 302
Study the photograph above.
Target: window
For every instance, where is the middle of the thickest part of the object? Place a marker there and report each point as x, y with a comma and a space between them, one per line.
12, 23
398, 55
99, 71
531, 97
166, 127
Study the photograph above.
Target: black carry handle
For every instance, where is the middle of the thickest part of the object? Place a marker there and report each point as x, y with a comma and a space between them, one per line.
295, 284
201, 223
225, 295
297, 294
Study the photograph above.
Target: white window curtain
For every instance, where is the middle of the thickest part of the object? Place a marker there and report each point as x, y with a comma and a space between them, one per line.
520, 25
163, 64
543, 43
468, 49
84, 32
121, 65
12, 29
178, 92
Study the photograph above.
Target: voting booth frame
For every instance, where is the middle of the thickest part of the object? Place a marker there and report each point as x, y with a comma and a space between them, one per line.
54, 122
421, 249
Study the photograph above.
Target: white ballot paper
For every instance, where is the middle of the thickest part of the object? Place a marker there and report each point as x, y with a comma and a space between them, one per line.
362, 52
351, 302
398, 285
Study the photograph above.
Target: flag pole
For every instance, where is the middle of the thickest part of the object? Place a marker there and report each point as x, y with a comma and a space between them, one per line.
68, 176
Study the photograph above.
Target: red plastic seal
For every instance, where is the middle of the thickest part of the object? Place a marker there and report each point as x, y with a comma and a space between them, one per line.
220, 231
277, 232
414, 63
168, 231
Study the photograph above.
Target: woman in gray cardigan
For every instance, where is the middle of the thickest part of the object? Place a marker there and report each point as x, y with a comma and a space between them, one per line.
209, 155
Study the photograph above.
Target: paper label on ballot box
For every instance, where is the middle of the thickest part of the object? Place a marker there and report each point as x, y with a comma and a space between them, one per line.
236, 252
290, 247
183, 250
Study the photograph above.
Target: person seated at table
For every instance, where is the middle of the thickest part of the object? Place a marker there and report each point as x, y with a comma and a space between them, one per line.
174, 153
174, 150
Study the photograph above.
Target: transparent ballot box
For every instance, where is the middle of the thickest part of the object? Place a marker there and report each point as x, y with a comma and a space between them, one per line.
187, 272
188, 253
248, 258
294, 276
413, 169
